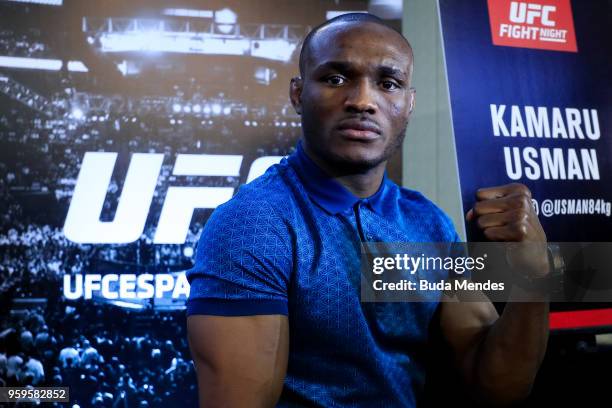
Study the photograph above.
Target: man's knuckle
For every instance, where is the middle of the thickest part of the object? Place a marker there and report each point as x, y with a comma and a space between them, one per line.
516, 202
521, 189
526, 204
520, 215
521, 230
489, 233
481, 222
521, 202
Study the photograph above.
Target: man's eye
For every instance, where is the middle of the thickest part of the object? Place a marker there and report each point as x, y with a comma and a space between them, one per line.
389, 85
335, 80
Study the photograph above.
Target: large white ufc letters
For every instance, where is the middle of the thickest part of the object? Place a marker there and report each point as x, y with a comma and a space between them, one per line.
528, 12
180, 202
83, 223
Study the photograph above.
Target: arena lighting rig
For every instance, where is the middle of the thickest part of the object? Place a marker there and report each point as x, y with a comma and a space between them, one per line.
44, 2
221, 36
46, 64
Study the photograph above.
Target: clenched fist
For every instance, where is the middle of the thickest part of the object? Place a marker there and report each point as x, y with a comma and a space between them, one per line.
505, 213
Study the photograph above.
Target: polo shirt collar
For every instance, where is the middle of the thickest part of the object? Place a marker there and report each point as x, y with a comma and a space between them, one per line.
329, 194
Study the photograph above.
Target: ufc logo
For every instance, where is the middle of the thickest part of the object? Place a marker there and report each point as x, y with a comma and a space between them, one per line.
83, 223
528, 12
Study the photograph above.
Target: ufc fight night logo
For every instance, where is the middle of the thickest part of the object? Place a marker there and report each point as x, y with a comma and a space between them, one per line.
542, 24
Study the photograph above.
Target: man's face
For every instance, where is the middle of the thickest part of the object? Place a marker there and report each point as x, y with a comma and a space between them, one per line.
354, 97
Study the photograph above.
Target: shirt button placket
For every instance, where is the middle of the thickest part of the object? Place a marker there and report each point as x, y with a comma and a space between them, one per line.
357, 210
364, 236
368, 234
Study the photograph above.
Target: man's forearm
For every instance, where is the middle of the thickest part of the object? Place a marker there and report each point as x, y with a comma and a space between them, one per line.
504, 361
510, 354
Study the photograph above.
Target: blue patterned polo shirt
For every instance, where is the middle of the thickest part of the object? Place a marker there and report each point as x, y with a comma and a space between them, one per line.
289, 243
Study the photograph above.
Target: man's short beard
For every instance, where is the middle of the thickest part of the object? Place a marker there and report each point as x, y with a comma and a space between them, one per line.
343, 166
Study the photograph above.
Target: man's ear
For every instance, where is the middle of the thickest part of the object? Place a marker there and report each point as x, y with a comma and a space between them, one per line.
412, 102
295, 93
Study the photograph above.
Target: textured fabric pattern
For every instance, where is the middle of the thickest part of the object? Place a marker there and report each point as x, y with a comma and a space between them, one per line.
289, 243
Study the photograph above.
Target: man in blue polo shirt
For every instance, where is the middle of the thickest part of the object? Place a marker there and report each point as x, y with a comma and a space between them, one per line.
274, 313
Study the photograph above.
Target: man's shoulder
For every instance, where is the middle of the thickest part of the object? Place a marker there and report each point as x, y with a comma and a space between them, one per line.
266, 196
271, 185
414, 200
252, 223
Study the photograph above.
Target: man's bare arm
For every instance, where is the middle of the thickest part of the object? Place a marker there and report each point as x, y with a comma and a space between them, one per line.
240, 361
500, 357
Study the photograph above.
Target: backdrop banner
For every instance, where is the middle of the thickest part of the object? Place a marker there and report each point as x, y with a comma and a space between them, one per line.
123, 125
529, 87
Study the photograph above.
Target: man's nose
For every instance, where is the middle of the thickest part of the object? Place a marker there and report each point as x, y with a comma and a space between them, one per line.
361, 98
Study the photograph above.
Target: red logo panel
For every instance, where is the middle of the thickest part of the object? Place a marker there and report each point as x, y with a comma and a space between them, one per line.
542, 24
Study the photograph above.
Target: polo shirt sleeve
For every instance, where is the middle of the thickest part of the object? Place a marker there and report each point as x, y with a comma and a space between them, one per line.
243, 262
